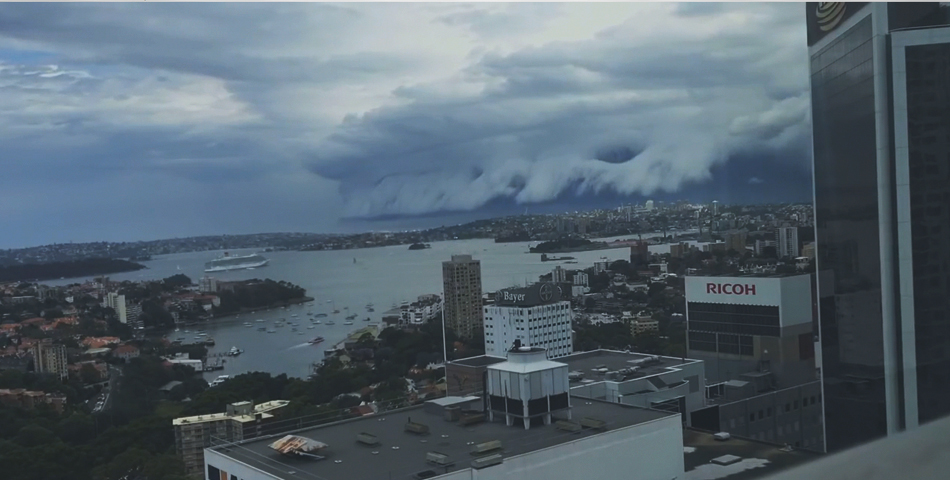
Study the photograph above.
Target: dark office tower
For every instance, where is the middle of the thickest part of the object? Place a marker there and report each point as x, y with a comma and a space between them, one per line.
880, 80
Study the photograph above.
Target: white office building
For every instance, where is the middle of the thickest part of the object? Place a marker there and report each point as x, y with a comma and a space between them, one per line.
538, 316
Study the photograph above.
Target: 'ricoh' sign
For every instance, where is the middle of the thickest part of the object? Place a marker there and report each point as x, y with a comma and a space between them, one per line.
735, 290
730, 288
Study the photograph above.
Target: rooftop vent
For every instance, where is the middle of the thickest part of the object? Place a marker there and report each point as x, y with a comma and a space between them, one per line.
485, 447
439, 459
568, 426
471, 419
417, 428
367, 438
594, 423
487, 461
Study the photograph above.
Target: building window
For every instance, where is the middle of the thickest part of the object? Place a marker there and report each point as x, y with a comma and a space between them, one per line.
768, 412
751, 417
788, 407
760, 414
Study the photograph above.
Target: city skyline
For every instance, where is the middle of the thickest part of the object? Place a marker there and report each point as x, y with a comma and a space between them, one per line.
157, 121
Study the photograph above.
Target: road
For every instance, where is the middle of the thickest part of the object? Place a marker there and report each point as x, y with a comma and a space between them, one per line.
104, 401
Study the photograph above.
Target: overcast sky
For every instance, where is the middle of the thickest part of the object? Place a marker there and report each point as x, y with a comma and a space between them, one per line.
144, 121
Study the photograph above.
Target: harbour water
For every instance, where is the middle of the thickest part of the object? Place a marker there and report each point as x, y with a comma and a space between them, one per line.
347, 280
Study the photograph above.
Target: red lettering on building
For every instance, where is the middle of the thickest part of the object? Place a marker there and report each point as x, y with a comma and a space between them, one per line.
730, 289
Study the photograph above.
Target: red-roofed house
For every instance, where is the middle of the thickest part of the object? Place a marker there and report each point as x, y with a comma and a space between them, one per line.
126, 352
38, 321
99, 342
363, 410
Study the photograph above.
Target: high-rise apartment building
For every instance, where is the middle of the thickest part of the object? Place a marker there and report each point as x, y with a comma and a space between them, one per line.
559, 275
462, 284
880, 85
786, 242
117, 302
50, 358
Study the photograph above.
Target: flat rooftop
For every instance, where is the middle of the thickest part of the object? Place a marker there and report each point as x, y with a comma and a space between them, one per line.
585, 362
400, 454
479, 361
758, 459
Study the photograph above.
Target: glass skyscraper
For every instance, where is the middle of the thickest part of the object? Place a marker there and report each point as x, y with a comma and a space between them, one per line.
880, 81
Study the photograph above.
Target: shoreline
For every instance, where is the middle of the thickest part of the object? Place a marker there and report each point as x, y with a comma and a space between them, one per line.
286, 303
231, 315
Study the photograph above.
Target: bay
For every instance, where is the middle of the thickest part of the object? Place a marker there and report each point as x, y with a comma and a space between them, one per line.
347, 280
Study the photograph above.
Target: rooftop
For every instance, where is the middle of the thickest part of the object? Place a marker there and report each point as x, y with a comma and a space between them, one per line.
401, 454
479, 361
757, 458
212, 417
585, 362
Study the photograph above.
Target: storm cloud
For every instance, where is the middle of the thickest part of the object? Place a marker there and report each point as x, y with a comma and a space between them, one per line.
323, 112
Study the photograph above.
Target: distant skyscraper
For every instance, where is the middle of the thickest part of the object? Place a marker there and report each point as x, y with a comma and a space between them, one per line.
559, 275
880, 86
715, 207
462, 283
50, 358
786, 242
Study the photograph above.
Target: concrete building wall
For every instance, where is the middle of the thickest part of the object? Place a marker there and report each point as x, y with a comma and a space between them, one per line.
791, 416
547, 326
649, 451
240, 470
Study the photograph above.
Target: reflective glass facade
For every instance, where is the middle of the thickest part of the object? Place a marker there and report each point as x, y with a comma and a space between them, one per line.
928, 129
846, 223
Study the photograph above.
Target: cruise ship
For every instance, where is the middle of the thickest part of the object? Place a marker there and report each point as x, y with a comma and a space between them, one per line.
226, 262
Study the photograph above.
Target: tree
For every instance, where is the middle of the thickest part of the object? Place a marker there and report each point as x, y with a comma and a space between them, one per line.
89, 374
34, 435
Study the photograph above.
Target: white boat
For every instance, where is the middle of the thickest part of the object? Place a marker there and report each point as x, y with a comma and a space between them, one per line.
226, 262
347, 323
235, 351
221, 379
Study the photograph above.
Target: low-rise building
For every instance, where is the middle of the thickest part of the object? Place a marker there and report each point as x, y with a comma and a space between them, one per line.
29, 400
537, 431
126, 352
641, 325
649, 381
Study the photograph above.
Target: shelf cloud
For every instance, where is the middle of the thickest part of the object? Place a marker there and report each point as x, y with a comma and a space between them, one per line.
323, 112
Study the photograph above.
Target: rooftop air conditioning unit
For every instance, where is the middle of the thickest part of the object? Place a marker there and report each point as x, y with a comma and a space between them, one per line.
486, 447
487, 461
439, 459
